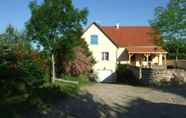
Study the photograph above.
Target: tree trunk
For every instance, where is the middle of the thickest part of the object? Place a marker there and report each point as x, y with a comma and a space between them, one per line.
53, 68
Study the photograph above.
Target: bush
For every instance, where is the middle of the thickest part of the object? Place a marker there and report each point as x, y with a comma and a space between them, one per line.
17, 61
74, 61
34, 98
125, 75
21, 69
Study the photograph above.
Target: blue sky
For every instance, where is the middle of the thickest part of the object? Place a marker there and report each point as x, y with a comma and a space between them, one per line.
106, 12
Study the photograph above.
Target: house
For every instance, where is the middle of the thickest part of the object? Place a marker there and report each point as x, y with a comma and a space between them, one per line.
111, 45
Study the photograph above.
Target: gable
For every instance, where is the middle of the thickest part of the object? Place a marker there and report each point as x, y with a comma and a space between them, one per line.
103, 39
126, 36
104, 45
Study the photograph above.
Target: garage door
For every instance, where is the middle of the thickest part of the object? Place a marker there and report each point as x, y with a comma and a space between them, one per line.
103, 75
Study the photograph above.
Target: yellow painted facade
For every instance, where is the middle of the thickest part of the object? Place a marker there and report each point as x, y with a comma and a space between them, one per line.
116, 54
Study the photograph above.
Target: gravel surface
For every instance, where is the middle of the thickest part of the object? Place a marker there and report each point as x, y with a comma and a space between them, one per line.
122, 101
113, 94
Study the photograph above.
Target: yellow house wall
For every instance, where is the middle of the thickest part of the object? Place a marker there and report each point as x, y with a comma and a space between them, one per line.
116, 55
104, 45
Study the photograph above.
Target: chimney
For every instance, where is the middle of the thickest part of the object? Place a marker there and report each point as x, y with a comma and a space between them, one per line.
117, 26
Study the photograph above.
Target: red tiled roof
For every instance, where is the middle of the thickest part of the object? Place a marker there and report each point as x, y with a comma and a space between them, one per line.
130, 36
145, 49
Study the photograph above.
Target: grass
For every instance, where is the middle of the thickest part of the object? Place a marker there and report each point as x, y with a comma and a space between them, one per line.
34, 99
82, 80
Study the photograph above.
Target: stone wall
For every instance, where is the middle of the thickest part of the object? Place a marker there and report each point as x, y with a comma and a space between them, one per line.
179, 73
148, 75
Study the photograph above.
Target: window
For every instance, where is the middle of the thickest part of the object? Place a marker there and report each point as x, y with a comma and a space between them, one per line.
105, 56
94, 39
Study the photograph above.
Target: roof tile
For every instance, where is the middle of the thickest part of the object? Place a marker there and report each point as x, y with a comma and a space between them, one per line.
130, 36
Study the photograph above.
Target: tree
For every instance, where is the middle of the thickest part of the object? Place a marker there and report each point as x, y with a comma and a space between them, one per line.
10, 34
176, 48
170, 23
81, 64
54, 21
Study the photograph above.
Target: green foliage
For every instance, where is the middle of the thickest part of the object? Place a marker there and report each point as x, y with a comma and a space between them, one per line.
170, 21
53, 22
17, 61
10, 34
125, 75
82, 64
22, 69
74, 61
35, 98
56, 90
83, 44
176, 49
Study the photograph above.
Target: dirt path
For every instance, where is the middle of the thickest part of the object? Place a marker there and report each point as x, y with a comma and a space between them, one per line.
121, 101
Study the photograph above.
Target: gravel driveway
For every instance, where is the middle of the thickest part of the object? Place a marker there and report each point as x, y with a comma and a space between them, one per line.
122, 101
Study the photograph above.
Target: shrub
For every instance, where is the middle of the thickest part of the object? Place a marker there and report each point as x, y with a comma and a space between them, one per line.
125, 75
74, 61
20, 62
21, 69
81, 64
38, 99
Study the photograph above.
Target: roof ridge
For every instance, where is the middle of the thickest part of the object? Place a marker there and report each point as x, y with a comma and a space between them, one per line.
126, 26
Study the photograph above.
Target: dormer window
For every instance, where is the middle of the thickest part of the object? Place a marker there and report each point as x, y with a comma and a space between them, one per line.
94, 39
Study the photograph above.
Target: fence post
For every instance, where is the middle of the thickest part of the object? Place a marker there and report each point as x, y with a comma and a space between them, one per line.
140, 72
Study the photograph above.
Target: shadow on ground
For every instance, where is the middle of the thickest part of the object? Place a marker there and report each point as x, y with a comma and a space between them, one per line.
85, 106
179, 90
141, 108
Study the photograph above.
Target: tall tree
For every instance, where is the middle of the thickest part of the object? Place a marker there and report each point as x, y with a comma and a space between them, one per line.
54, 21
170, 23
10, 34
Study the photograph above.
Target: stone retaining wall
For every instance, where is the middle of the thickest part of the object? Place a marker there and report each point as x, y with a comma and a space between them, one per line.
149, 75
163, 74
179, 73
